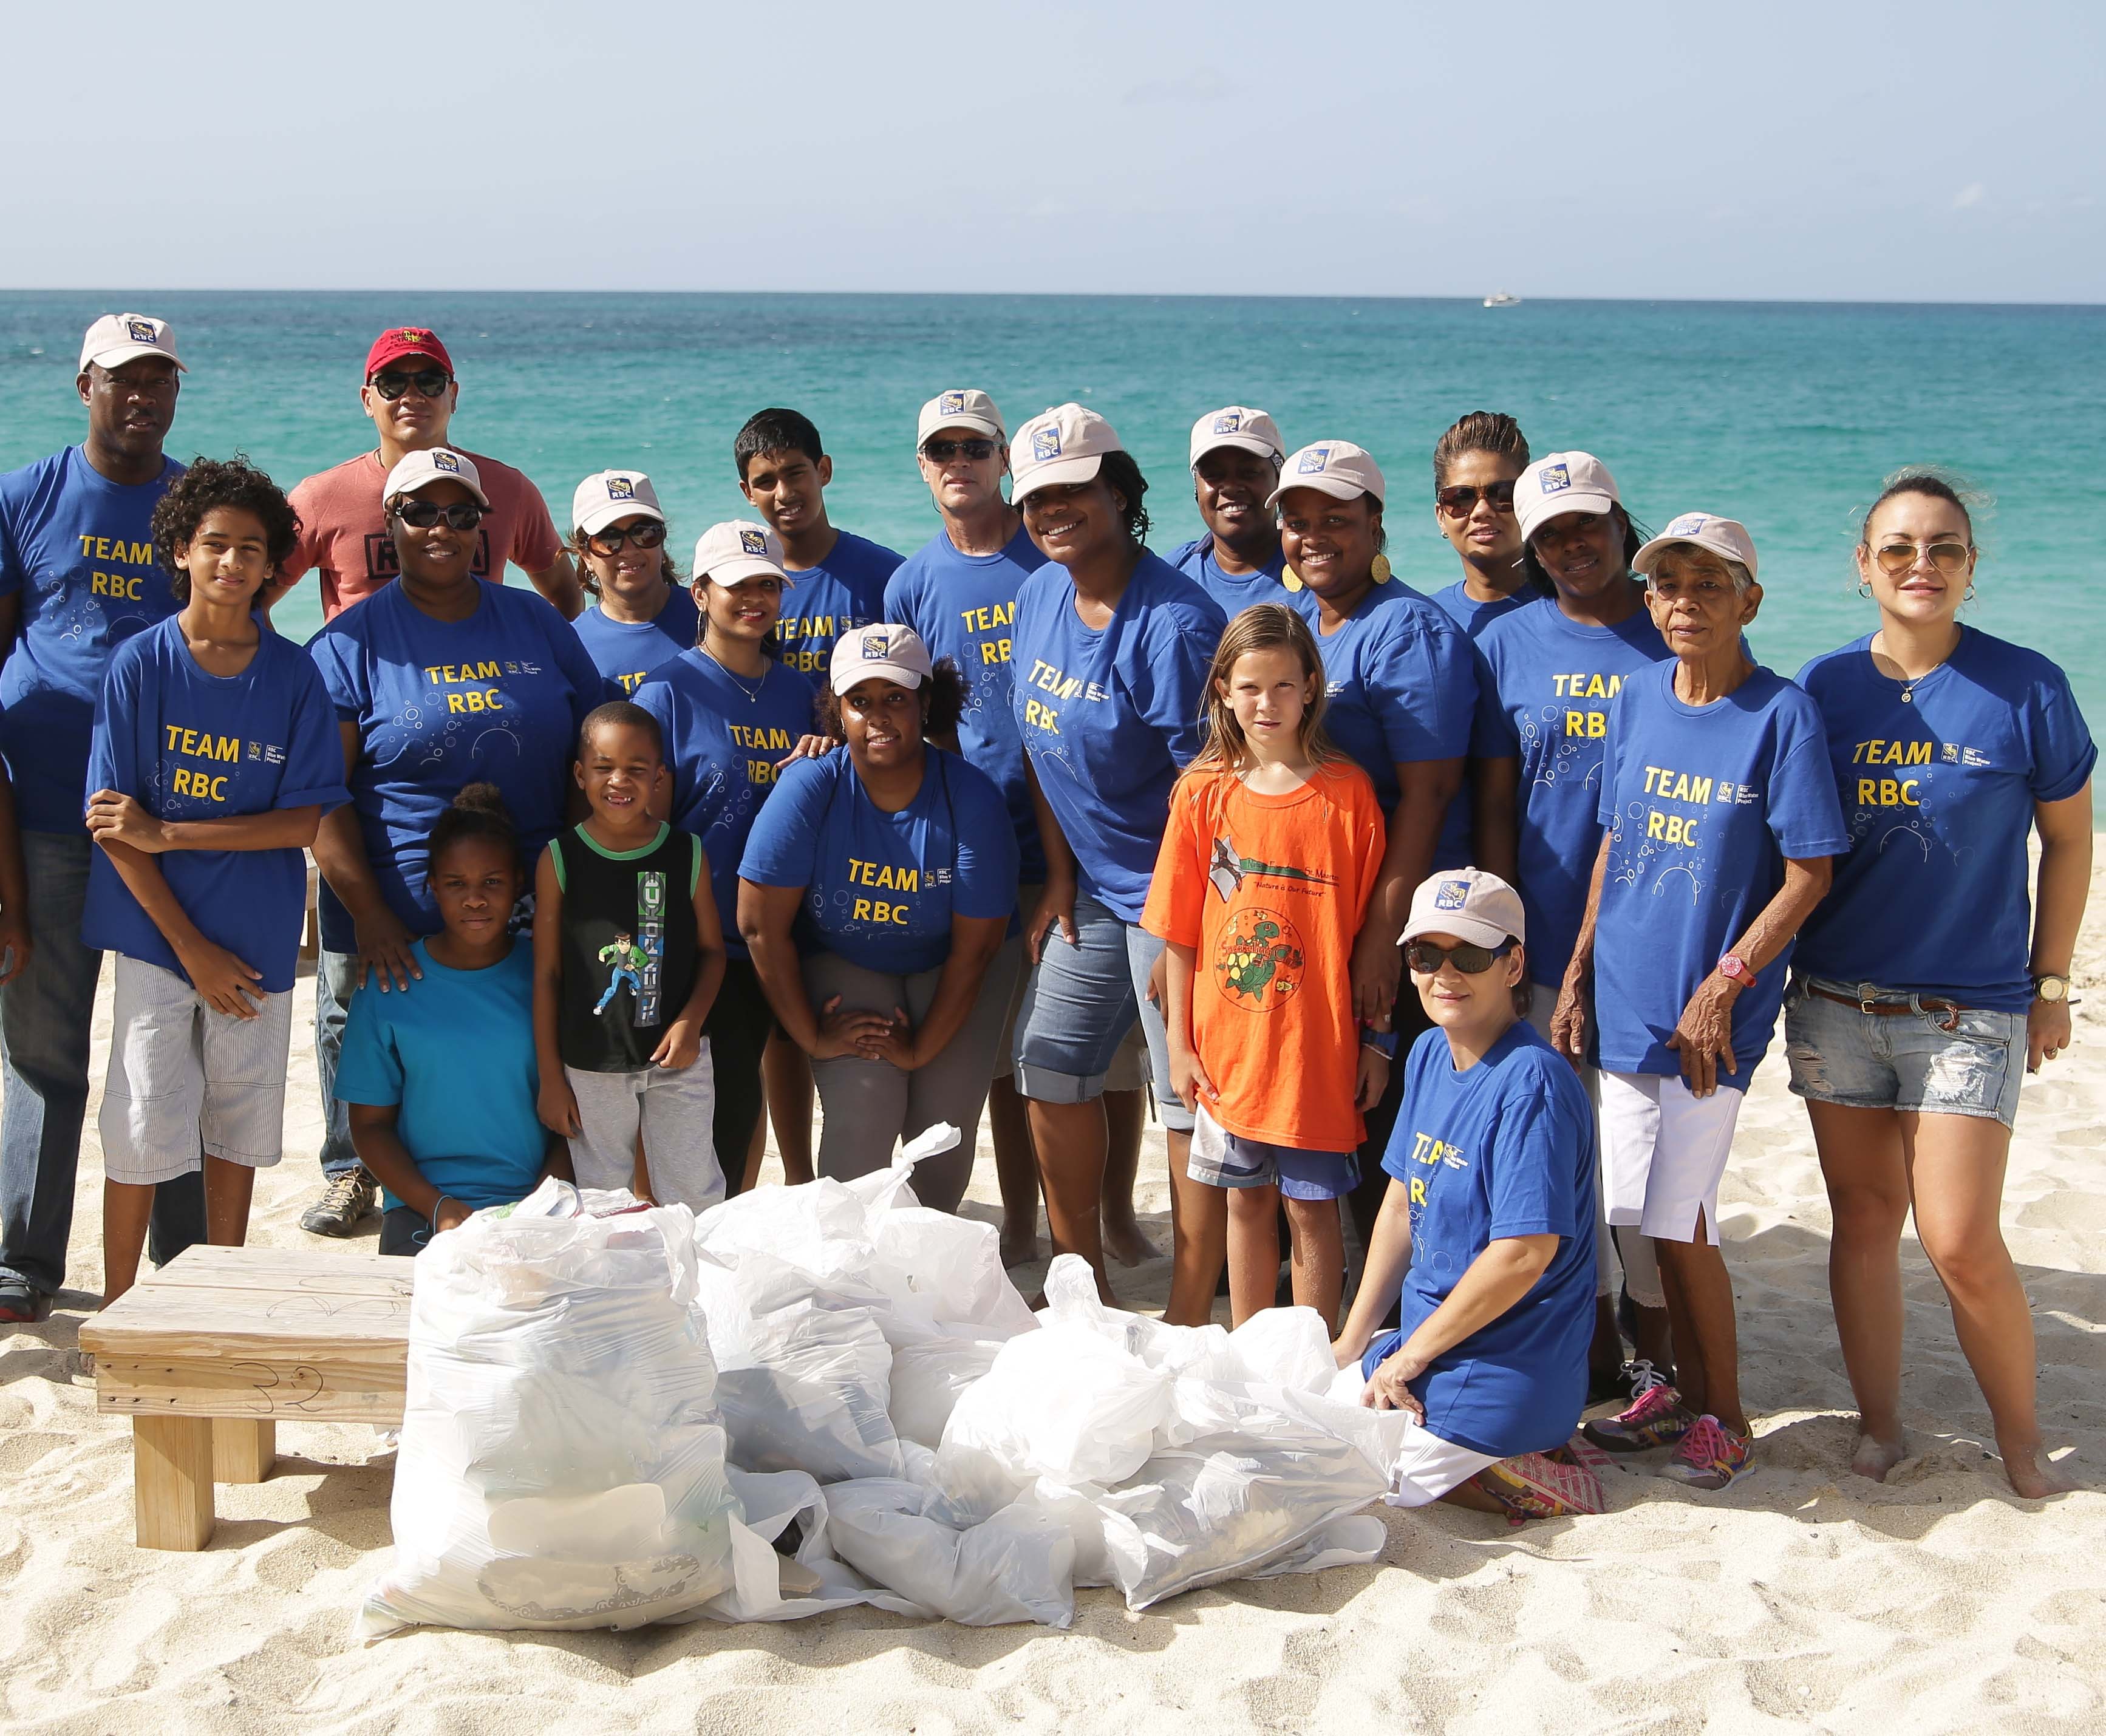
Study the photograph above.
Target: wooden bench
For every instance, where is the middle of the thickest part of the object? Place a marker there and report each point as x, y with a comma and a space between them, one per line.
209, 1353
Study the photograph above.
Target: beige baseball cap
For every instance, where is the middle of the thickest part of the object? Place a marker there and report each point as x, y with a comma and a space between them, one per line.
1336, 468
1727, 537
1065, 445
117, 338
416, 470
1562, 482
965, 408
1237, 425
736, 550
1472, 904
883, 649
609, 494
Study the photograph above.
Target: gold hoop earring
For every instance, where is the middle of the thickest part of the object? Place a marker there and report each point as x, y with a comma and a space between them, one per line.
1380, 571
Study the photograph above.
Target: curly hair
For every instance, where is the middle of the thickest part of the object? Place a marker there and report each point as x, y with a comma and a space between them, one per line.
1122, 476
476, 812
948, 694
232, 482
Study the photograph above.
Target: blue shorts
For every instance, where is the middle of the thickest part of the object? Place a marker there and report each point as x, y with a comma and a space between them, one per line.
1079, 1004
1222, 1159
1904, 1061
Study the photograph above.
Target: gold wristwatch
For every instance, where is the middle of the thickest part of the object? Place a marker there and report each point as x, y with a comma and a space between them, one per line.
2051, 988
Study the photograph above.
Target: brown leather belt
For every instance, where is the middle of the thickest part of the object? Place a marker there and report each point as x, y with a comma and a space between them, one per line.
1891, 1009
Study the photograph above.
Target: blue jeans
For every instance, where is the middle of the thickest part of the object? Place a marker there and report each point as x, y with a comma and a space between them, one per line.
45, 1015
335, 974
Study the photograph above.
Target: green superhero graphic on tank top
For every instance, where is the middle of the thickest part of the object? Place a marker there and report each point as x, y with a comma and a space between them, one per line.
629, 962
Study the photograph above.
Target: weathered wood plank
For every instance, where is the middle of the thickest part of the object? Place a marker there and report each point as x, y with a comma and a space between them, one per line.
327, 1270
341, 1384
243, 1449
218, 1323
171, 1482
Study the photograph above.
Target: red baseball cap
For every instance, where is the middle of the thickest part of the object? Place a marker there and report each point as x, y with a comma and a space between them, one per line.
406, 340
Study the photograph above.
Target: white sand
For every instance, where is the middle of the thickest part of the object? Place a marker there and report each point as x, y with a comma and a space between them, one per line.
1804, 1597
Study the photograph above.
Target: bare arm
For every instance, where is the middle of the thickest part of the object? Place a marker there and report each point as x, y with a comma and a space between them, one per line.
974, 941
1497, 1279
1425, 787
1703, 1035
682, 1045
1188, 1072
1497, 819
340, 846
1057, 903
226, 982
1575, 1009
1381, 1277
765, 914
558, 582
555, 1102
2059, 892
114, 817
374, 1136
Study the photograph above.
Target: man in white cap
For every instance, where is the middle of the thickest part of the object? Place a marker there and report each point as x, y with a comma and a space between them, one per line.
1236, 456
410, 394
77, 576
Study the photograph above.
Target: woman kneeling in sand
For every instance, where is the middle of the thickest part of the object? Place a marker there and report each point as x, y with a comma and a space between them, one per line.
1491, 1204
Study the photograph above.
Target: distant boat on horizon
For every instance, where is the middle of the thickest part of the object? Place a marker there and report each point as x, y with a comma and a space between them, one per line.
1500, 298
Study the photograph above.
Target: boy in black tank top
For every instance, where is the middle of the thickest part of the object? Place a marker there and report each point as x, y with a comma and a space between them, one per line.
628, 954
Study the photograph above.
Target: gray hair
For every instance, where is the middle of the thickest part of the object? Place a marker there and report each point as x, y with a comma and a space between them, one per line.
1741, 576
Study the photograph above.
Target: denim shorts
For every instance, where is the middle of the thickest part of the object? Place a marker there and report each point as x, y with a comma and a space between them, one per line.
1222, 1159
1078, 1004
1906, 1061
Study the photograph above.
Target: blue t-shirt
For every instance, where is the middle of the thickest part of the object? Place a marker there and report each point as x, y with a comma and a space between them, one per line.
1474, 617
1504, 1149
1403, 688
1939, 798
1703, 804
844, 592
963, 607
455, 1053
441, 704
1110, 718
629, 653
1235, 592
723, 735
78, 549
880, 888
1554, 680
188, 746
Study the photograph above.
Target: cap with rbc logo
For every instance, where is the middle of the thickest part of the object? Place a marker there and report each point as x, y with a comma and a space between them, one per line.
608, 494
1726, 538
1064, 446
884, 650
1561, 482
736, 550
962, 409
1236, 425
1472, 904
1336, 468
436, 464
117, 338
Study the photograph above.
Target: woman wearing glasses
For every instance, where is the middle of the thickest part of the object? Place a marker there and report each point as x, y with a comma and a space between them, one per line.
1919, 990
641, 616
1475, 464
439, 680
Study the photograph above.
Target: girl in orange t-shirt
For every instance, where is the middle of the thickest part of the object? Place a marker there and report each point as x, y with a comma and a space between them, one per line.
1273, 842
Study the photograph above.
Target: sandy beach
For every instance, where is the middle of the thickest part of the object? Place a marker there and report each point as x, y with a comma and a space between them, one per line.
1804, 1598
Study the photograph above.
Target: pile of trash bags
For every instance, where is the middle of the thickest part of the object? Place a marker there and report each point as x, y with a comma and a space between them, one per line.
826, 1395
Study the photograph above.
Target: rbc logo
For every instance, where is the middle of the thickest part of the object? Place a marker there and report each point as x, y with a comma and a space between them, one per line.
442, 460
753, 542
1688, 525
1045, 444
621, 488
141, 331
877, 646
1314, 460
1449, 894
1229, 423
1555, 479
949, 404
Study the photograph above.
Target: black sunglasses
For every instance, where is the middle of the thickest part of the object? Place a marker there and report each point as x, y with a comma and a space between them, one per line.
421, 515
429, 382
1423, 958
1460, 499
649, 534
943, 451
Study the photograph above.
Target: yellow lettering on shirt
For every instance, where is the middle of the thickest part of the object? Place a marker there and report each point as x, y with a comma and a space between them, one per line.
195, 744
1676, 786
987, 620
1585, 685
884, 876
1888, 792
1884, 753
747, 736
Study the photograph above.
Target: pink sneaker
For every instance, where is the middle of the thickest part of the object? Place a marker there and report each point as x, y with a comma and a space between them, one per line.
1657, 1419
1711, 1455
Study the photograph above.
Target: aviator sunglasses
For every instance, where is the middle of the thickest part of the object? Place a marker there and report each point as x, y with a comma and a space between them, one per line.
649, 534
1423, 958
1460, 500
1947, 555
943, 451
421, 515
429, 382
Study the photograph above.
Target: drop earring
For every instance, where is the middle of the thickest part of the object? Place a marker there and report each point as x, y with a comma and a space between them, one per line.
1380, 571
1864, 588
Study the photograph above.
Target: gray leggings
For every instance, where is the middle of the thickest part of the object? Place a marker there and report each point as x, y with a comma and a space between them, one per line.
868, 1107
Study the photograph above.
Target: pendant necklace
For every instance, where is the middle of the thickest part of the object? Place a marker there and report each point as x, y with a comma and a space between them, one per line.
752, 693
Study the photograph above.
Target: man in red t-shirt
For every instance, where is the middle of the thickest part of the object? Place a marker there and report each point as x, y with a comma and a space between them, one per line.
410, 392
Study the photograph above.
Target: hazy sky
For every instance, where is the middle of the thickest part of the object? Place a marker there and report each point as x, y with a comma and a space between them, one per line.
1918, 151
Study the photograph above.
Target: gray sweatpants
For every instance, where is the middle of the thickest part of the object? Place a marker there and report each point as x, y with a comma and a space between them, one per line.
869, 1106
673, 1108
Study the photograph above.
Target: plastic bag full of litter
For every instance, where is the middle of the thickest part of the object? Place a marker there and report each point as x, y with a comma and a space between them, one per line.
561, 1465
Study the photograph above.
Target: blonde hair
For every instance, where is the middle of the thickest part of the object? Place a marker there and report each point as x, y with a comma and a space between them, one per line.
1262, 627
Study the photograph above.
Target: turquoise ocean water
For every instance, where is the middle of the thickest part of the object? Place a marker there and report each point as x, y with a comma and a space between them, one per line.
1783, 415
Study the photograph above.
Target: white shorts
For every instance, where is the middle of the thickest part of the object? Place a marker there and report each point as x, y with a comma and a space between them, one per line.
672, 1110
183, 1078
1663, 1153
1429, 1467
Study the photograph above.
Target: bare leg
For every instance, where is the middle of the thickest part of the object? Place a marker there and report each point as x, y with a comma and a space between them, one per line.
1700, 1302
1069, 1139
786, 1072
1199, 1237
1016, 1171
757, 1154
1317, 1248
1605, 1354
228, 1189
1956, 1174
1651, 1339
1253, 1249
1127, 1113
1862, 1161
125, 1208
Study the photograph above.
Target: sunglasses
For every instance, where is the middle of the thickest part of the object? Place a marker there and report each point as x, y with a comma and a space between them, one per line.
421, 515
604, 542
943, 451
1896, 558
1422, 958
1461, 499
429, 382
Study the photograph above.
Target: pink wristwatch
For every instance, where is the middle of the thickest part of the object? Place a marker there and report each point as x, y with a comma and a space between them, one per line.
1735, 966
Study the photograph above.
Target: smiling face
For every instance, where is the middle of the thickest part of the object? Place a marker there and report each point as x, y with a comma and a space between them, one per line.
1918, 525
1331, 543
475, 883
441, 555
228, 558
1231, 486
1691, 598
1583, 552
787, 489
619, 767
413, 421
1484, 536
1472, 1007
1076, 522
131, 408
631, 576
747, 611
881, 722
960, 485
1268, 695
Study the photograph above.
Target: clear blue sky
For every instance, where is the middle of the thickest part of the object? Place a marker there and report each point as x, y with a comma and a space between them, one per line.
1927, 151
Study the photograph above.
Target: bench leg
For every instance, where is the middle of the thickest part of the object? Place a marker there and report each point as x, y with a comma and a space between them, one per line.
243, 1448
172, 1481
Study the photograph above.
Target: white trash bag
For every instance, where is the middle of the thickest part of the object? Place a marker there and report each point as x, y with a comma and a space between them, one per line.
561, 1465
1017, 1566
